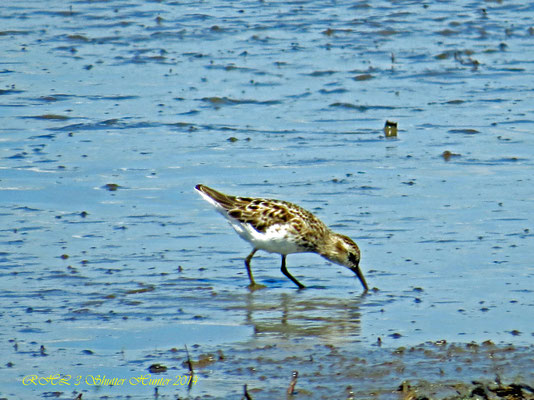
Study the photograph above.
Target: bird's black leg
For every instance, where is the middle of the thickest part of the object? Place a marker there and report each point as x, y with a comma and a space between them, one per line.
247, 264
286, 273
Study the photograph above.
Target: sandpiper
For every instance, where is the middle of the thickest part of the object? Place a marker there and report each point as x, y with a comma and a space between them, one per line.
281, 227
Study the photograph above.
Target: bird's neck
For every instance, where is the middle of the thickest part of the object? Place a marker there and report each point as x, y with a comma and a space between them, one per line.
332, 247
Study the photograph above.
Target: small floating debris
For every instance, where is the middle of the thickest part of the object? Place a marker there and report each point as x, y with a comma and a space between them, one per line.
363, 77
204, 360
466, 131
227, 101
78, 38
328, 32
112, 187
443, 56
141, 290
409, 183
390, 129
447, 155
157, 368
51, 117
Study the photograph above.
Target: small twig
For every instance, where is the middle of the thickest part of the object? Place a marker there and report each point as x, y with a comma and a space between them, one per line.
247, 396
189, 362
292, 384
190, 366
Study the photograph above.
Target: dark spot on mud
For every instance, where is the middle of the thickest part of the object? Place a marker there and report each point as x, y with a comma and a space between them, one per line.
465, 131
363, 77
447, 155
52, 117
157, 368
141, 290
112, 187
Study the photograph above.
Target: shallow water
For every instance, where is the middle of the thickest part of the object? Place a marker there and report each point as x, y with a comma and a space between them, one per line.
111, 112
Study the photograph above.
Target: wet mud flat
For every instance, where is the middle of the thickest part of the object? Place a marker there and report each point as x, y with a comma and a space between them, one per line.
279, 368
312, 344
110, 264
325, 371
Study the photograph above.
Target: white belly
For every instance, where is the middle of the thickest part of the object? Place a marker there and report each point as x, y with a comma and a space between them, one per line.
276, 239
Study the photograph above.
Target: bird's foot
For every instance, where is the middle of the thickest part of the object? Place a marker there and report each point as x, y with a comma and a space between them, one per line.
255, 286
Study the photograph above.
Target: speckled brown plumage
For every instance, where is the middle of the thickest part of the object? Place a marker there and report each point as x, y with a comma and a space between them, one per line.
264, 213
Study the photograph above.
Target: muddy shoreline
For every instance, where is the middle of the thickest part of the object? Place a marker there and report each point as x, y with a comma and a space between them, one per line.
433, 370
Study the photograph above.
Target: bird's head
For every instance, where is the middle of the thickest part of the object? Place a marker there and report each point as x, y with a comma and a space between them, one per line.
343, 251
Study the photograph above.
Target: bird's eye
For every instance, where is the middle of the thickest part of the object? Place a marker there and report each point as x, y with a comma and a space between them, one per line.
353, 259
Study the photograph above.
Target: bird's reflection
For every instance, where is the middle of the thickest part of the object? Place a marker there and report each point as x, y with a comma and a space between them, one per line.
290, 315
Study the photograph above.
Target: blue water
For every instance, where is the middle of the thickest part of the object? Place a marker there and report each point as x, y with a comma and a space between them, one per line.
284, 100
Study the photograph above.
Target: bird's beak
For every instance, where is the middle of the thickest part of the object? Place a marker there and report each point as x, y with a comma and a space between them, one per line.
356, 269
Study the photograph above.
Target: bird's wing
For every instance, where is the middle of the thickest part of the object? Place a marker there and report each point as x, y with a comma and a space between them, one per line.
260, 213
